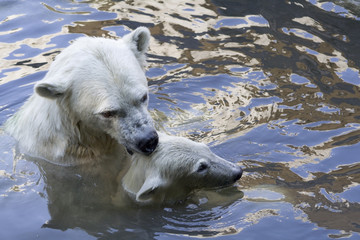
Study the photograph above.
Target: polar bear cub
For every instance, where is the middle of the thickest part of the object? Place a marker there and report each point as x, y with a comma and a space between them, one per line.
177, 167
92, 103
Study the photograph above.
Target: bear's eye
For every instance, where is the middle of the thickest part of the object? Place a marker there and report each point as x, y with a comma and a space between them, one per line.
202, 167
108, 114
144, 98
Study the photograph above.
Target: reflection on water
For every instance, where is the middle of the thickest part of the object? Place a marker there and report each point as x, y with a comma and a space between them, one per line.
273, 85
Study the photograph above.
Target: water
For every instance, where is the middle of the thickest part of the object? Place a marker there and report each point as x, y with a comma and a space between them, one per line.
271, 85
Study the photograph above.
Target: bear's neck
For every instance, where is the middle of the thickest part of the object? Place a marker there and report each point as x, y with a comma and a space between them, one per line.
44, 130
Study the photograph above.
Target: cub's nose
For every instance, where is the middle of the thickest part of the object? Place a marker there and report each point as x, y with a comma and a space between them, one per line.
149, 143
238, 173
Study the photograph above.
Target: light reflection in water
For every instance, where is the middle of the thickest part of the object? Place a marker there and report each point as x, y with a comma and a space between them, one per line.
273, 85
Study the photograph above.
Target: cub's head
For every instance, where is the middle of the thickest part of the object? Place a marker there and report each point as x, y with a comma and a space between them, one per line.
177, 167
100, 85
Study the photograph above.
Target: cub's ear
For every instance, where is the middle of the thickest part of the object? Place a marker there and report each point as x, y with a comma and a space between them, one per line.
139, 40
48, 90
150, 187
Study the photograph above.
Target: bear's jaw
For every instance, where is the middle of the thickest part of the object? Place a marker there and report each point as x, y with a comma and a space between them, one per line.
88, 153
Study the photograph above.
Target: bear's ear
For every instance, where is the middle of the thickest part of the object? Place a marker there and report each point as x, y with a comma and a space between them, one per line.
138, 41
48, 90
151, 185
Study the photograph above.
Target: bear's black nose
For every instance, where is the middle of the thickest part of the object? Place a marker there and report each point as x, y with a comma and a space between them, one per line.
149, 143
238, 174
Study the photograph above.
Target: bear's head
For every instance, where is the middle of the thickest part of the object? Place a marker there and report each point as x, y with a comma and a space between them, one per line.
176, 168
100, 86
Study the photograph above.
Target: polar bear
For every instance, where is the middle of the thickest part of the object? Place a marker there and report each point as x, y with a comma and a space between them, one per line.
93, 102
177, 167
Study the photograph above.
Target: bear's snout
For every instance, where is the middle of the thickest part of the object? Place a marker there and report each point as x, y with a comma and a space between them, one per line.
148, 143
238, 173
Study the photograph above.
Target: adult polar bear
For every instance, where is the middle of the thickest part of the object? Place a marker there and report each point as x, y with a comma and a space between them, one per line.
91, 104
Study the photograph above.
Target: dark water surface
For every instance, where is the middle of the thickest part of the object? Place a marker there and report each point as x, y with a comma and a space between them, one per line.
271, 85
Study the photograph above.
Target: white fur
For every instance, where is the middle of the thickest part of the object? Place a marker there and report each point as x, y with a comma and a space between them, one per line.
177, 167
63, 122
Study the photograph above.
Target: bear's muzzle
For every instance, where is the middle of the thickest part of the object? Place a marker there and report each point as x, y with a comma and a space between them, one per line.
148, 143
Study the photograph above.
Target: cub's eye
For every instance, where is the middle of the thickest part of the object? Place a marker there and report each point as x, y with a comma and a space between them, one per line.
144, 98
202, 167
108, 114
